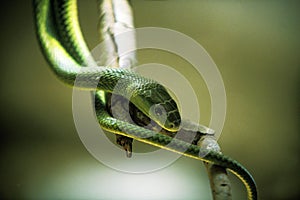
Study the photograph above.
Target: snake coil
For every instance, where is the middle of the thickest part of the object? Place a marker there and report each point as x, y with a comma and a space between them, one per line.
63, 46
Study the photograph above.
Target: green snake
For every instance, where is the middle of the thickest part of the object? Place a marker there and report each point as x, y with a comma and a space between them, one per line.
64, 48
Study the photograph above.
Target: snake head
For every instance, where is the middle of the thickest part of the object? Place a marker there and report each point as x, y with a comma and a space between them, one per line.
155, 102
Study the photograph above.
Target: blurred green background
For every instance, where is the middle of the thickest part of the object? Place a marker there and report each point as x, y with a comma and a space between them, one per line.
255, 45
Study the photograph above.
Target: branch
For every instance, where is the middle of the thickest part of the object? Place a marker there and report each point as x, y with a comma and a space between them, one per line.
218, 177
116, 17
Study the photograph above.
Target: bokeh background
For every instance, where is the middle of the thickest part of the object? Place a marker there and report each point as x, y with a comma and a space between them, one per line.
255, 45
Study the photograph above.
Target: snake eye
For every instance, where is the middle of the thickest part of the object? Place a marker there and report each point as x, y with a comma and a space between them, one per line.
158, 110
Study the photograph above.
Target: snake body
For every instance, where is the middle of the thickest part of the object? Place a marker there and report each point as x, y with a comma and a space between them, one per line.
149, 96
63, 46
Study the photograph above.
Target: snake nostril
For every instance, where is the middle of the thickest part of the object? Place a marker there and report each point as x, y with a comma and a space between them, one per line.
175, 124
172, 125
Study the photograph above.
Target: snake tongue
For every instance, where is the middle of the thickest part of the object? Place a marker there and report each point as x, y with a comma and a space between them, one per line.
128, 148
125, 143
128, 153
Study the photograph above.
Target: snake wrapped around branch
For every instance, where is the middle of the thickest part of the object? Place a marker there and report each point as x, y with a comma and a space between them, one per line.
64, 48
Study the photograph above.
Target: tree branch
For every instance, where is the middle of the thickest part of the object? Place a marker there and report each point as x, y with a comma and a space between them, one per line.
116, 17
218, 177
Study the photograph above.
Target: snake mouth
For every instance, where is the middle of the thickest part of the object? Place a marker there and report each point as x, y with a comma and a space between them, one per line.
140, 119
173, 126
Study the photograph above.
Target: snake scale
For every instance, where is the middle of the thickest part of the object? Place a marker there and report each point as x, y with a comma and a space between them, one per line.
63, 46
